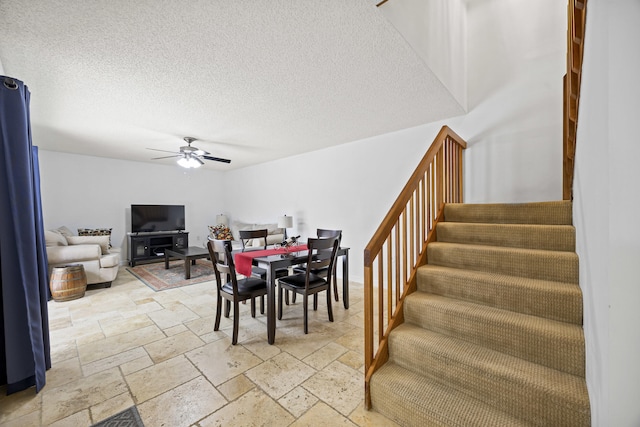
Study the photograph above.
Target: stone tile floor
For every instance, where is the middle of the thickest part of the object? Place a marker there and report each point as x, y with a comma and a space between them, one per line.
128, 345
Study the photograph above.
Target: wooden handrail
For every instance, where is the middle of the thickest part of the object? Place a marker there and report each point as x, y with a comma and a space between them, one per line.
577, 15
398, 247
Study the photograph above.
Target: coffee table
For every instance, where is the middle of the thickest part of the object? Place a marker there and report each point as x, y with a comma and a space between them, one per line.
189, 255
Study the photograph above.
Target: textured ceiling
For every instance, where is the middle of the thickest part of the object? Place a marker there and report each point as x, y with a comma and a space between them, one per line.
252, 80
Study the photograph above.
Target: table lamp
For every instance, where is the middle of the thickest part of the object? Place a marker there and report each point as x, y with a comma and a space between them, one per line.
222, 219
285, 222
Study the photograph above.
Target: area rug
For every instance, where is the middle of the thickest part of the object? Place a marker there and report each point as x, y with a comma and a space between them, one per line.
127, 418
157, 278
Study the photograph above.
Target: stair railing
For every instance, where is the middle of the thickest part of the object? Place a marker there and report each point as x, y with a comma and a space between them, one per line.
577, 15
399, 245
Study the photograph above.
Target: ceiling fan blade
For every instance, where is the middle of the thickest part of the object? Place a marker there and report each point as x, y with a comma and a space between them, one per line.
216, 159
164, 151
200, 152
166, 157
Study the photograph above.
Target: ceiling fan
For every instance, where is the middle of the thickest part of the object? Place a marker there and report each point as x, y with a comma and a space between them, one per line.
190, 157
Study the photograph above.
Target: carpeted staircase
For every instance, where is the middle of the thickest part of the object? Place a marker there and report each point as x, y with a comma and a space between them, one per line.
493, 336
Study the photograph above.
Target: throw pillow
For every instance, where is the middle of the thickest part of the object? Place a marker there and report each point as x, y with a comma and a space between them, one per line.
96, 232
54, 238
103, 241
64, 231
220, 232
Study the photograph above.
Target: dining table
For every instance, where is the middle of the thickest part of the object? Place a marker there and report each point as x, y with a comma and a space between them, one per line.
275, 259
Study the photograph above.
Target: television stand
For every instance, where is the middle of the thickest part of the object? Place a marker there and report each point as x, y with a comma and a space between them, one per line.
151, 246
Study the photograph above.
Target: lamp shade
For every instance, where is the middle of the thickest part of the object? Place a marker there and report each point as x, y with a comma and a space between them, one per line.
222, 219
285, 222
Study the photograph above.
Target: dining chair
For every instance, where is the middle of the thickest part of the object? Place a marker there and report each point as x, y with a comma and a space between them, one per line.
231, 289
247, 236
324, 232
322, 253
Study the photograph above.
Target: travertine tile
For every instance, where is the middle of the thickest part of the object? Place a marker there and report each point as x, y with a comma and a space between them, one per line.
300, 345
261, 347
254, 409
220, 361
148, 307
118, 343
29, 420
111, 407
352, 359
64, 350
280, 374
60, 402
353, 340
136, 365
235, 387
298, 401
79, 331
183, 405
201, 326
175, 330
113, 361
18, 404
337, 385
118, 326
322, 415
202, 305
172, 346
81, 418
63, 372
172, 315
160, 377
325, 355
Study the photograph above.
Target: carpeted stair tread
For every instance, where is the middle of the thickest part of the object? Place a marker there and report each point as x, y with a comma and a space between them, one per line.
557, 266
411, 399
557, 345
549, 299
540, 395
555, 212
527, 236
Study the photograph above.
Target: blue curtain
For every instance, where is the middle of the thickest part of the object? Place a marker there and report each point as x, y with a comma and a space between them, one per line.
24, 323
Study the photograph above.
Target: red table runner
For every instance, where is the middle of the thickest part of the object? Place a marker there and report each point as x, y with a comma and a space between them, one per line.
244, 260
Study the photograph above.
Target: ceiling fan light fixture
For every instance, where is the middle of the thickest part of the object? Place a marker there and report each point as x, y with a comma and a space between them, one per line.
190, 162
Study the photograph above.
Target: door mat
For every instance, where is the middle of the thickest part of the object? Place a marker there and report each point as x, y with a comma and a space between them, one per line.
158, 278
127, 418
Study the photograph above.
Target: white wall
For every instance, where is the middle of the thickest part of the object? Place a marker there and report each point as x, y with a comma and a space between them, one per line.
437, 32
94, 192
606, 204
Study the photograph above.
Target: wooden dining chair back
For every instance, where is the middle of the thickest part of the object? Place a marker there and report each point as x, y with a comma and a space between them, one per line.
247, 236
229, 288
322, 254
324, 232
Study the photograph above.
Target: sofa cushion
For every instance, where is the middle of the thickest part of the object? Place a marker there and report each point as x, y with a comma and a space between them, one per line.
72, 254
54, 238
271, 228
103, 241
64, 231
95, 232
274, 234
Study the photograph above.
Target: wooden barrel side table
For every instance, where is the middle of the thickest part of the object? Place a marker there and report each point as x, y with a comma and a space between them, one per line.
68, 282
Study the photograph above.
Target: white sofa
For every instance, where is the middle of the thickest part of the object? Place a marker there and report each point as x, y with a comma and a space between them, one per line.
275, 234
99, 260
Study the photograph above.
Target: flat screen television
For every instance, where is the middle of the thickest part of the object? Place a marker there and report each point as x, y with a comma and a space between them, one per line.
148, 218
